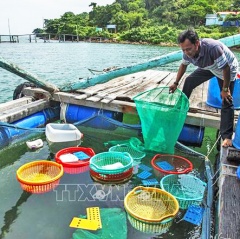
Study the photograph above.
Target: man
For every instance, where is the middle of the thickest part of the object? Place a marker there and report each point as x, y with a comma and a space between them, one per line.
212, 58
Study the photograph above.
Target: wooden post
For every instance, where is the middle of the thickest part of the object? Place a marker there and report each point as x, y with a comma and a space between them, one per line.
30, 38
27, 75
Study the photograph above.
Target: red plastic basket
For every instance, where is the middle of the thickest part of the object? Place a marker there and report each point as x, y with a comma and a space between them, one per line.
111, 177
75, 167
171, 164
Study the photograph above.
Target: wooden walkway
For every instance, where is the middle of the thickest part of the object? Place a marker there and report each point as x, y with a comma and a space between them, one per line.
228, 204
47, 37
117, 95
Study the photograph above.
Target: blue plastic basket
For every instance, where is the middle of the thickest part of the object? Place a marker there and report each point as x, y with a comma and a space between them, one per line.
187, 189
98, 161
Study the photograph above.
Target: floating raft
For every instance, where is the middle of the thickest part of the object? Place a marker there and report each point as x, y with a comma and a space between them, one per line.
117, 95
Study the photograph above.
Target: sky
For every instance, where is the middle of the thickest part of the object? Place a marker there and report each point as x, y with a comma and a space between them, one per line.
23, 16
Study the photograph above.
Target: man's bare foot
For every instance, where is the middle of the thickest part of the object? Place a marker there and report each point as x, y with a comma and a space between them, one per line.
227, 143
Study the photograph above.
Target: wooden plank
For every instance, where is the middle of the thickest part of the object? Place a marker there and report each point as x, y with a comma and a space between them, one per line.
228, 200
22, 111
38, 93
27, 75
93, 90
149, 84
127, 91
14, 103
123, 86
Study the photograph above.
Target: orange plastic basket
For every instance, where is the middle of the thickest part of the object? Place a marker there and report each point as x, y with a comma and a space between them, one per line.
39, 176
80, 166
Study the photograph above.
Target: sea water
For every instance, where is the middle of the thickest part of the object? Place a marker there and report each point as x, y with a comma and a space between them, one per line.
47, 216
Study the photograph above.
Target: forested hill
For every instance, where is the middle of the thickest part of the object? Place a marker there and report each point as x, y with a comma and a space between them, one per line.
149, 21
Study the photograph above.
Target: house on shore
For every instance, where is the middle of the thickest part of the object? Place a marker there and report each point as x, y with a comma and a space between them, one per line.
218, 19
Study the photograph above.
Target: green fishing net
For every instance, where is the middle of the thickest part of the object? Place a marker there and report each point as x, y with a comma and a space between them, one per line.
162, 117
114, 225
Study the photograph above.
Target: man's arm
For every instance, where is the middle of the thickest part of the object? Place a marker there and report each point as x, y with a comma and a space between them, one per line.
225, 93
181, 70
226, 76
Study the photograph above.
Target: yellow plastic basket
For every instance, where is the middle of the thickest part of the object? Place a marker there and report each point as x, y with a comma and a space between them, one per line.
39, 176
150, 210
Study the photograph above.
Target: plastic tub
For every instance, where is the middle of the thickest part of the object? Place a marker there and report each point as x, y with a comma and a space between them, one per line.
60, 136
214, 97
62, 133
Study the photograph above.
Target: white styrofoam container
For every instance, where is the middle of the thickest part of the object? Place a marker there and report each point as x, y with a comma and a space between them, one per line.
56, 133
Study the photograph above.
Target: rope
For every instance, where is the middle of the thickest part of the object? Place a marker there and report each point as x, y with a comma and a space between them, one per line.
212, 147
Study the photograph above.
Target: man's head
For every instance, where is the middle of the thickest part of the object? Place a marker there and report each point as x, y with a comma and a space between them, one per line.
189, 42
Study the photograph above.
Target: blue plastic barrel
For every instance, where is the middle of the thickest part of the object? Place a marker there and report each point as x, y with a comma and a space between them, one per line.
4, 137
236, 139
75, 113
191, 135
32, 121
214, 97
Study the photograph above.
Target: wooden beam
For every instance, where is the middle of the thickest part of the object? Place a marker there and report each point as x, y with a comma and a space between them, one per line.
198, 117
19, 112
14, 103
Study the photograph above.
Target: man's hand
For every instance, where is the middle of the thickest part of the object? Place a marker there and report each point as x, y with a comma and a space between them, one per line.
172, 88
226, 95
